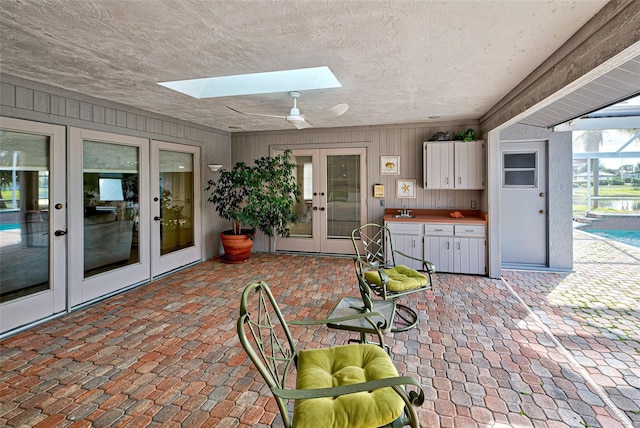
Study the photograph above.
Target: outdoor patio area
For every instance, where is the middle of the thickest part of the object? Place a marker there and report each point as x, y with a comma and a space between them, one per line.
535, 349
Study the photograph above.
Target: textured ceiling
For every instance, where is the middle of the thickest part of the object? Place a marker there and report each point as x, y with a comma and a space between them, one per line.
398, 61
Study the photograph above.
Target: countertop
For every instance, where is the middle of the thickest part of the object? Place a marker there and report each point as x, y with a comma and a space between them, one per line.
438, 216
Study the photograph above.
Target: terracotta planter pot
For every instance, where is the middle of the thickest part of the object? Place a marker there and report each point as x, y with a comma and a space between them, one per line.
237, 248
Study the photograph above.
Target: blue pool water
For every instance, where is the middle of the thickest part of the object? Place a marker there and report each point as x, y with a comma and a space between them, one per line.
9, 226
629, 237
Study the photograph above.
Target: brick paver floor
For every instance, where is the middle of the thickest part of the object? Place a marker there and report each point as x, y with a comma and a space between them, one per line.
167, 354
595, 314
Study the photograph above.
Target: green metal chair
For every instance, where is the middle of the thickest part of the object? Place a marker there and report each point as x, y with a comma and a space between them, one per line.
377, 271
354, 385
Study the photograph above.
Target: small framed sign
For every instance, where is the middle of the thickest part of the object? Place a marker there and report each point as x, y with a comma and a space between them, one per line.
389, 165
405, 188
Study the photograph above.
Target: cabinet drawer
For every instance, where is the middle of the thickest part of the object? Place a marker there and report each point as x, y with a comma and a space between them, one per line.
476, 230
404, 228
438, 229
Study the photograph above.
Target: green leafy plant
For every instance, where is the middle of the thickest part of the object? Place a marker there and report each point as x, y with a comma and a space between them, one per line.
259, 196
468, 135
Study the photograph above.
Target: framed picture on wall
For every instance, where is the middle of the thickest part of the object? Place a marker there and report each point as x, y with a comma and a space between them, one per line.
389, 165
405, 188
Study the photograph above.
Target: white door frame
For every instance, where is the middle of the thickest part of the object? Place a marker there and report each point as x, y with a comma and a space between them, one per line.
162, 264
319, 242
83, 290
34, 307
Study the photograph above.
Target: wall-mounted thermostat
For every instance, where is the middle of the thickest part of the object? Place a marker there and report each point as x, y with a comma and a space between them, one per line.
378, 190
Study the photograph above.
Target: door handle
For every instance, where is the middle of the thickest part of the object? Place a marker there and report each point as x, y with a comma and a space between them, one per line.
315, 208
542, 212
157, 218
60, 232
322, 208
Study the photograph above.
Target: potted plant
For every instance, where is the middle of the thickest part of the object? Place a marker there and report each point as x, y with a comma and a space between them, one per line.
259, 197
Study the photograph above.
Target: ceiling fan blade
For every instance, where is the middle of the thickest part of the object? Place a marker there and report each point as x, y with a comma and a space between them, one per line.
301, 124
335, 111
257, 114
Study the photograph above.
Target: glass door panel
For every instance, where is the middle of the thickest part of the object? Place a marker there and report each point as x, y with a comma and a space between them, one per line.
24, 214
176, 201
32, 207
175, 231
344, 202
304, 177
109, 212
111, 193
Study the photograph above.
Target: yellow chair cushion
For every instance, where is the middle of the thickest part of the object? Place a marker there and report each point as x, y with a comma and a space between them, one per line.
401, 278
346, 365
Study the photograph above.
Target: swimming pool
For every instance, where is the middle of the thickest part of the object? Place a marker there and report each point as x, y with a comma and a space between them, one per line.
629, 237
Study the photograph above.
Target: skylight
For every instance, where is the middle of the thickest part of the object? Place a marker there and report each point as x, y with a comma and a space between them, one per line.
256, 83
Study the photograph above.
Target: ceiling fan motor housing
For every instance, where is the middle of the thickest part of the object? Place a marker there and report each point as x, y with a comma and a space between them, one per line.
295, 116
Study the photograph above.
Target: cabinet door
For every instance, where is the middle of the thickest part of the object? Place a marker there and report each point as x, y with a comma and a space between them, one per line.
469, 256
439, 251
438, 165
410, 245
469, 164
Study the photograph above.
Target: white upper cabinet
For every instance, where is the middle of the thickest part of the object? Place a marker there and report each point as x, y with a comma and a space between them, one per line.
453, 165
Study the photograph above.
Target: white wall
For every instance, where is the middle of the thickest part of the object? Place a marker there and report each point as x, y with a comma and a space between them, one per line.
403, 140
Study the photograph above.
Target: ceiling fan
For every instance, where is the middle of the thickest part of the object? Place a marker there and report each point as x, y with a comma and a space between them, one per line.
296, 118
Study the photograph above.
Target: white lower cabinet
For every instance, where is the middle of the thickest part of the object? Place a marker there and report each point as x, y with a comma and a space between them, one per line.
469, 256
439, 251
454, 248
407, 238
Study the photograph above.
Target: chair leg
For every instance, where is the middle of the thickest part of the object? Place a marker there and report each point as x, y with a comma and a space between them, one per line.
406, 318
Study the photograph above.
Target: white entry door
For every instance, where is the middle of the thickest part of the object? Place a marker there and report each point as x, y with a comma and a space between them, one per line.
332, 203
523, 204
175, 206
109, 214
33, 211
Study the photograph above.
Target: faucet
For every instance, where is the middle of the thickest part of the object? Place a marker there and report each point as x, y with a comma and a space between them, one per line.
404, 212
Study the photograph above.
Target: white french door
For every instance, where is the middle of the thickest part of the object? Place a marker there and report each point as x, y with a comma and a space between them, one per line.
33, 210
175, 206
109, 213
332, 203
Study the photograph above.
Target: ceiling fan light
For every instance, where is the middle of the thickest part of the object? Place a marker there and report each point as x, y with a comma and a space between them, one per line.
295, 118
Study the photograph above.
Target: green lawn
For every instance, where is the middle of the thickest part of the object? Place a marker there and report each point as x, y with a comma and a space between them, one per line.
604, 191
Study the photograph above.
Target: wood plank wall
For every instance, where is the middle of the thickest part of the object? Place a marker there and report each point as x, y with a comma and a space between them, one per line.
401, 140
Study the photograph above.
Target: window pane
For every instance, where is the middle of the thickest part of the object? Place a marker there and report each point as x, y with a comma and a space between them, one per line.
24, 214
176, 205
519, 160
111, 205
520, 178
343, 202
304, 179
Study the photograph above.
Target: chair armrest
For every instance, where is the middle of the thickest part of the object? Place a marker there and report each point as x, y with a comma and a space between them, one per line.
416, 398
426, 265
365, 266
